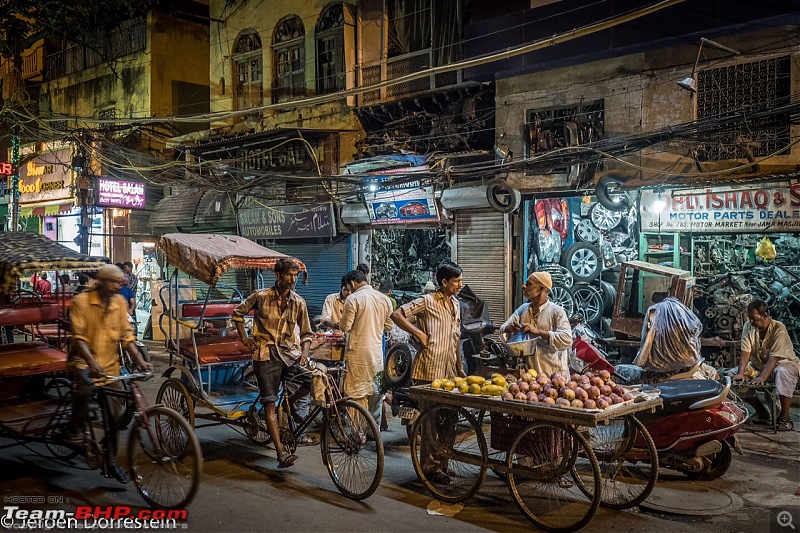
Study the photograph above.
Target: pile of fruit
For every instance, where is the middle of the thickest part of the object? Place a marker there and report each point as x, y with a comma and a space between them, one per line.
582, 391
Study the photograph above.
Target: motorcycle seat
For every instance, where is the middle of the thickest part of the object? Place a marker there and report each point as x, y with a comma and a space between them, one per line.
679, 395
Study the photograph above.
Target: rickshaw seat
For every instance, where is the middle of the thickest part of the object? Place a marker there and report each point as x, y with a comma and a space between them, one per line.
218, 310
28, 314
212, 350
30, 358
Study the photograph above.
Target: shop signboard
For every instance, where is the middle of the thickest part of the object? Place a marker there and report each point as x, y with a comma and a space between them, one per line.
742, 208
398, 203
288, 222
45, 177
122, 194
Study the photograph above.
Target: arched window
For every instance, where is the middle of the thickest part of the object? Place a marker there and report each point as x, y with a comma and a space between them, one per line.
288, 52
330, 50
248, 70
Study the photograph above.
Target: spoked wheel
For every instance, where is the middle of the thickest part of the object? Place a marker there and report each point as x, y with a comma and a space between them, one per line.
539, 462
449, 452
174, 395
352, 449
58, 390
628, 462
165, 458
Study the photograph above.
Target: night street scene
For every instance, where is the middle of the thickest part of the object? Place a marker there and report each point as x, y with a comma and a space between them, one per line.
400, 265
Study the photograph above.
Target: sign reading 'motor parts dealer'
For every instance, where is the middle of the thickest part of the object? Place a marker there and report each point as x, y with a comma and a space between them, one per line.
287, 222
769, 208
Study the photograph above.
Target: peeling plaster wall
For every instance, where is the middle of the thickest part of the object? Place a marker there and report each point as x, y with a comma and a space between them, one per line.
640, 95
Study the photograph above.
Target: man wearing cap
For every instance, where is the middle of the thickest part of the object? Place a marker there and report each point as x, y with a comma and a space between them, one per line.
543, 319
99, 319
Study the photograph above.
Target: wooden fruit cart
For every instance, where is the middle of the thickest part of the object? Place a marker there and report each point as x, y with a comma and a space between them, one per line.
560, 463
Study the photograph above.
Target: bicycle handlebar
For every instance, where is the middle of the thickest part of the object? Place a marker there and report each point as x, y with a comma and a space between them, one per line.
126, 377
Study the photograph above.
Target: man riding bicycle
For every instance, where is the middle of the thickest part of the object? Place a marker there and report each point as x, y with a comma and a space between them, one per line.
99, 319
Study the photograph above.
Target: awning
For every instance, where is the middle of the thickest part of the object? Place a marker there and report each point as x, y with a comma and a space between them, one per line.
175, 212
47, 209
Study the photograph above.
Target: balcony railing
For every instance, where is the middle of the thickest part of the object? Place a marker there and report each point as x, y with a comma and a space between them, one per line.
397, 67
129, 38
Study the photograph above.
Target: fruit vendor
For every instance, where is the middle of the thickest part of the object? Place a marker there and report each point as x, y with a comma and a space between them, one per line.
768, 354
543, 319
437, 331
333, 307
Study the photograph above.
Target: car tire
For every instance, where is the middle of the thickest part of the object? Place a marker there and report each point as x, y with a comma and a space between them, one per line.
583, 261
502, 197
603, 191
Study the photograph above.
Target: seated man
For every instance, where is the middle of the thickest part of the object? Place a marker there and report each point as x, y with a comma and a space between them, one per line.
768, 352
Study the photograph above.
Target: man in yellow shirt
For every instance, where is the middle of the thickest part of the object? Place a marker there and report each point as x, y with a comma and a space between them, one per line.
99, 319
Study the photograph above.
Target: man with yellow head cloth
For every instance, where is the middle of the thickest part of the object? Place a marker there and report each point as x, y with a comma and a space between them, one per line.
544, 320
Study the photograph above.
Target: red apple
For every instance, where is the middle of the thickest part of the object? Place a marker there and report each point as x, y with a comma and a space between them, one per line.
618, 389
576, 403
562, 402
523, 386
549, 401
581, 395
507, 396
594, 392
567, 393
533, 398
521, 396
534, 387
605, 390
572, 385
589, 404
605, 375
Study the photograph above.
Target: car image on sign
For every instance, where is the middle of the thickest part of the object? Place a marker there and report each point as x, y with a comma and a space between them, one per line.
414, 209
386, 210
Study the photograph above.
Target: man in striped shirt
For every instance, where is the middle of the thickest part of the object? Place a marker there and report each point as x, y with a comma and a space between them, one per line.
277, 350
437, 331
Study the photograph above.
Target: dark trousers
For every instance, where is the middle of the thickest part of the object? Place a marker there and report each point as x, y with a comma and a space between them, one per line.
83, 388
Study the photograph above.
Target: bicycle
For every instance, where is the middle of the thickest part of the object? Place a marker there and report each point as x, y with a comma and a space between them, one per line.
164, 456
350, 441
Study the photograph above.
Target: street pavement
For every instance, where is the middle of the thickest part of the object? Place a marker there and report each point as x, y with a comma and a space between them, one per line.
242, 489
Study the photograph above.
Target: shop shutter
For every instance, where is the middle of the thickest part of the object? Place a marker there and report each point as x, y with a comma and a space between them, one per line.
326, 264
480, 252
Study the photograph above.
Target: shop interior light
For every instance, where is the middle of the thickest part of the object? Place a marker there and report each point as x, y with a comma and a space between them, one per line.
373, 187
659, 204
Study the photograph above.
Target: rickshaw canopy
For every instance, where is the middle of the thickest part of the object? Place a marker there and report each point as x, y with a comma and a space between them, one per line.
207, 257
22, 252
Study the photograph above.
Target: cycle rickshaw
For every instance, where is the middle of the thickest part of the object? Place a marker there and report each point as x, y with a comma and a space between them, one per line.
210, 375
164, 455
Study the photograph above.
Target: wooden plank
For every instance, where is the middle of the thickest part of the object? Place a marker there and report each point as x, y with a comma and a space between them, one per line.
534, 411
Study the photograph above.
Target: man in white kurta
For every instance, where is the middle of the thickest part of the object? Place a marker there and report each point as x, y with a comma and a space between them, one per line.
546, 321
365, 318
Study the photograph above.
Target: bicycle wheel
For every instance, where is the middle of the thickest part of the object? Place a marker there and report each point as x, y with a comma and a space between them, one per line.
450, 443
174, 395
628, 462
165, 458
539, 462
58, 390
352, 449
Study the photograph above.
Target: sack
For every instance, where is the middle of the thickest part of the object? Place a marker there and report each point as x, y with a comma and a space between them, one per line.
319, 383
765, 249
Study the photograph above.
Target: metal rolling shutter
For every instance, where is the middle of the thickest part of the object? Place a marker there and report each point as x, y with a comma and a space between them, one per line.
480, 252
326, 264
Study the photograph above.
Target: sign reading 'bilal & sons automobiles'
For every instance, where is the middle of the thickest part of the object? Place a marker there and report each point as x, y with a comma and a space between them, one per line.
287, 222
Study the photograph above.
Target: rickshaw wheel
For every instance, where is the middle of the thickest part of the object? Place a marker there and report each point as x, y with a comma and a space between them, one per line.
165, 458
58, 390
453, 437
624, 483
59, 451
174, 395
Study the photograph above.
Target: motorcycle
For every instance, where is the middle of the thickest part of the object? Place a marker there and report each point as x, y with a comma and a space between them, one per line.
695, 430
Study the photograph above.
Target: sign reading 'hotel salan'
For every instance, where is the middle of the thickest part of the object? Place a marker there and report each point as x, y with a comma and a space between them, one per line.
122, 194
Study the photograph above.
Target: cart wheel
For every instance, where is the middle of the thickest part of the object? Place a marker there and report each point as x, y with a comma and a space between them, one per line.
165, 458
352, 449
628, 462
453, 440
58, 390
174, 395
539, 463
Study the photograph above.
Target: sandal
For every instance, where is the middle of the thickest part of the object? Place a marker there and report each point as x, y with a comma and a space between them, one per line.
286, 459
758, 421
784, 425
